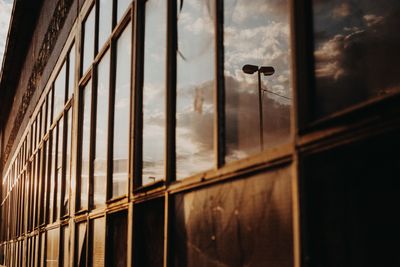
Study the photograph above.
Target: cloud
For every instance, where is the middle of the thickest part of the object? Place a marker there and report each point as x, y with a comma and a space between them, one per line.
343, 10
5, 14
358, 64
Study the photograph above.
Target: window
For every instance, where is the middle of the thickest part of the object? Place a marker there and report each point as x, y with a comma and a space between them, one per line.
355, 52
195, 85
257, 110
88, 40
52, 247
97, 242
117, 231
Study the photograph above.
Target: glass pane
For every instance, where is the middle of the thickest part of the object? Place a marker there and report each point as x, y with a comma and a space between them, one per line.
105, 21
122, 5
50, 109
149, 234
59, 91
52, 188
80, 246
117, 239
68, 159
85, 145
66, 246
52, 248
154, 91
59, 171
98, 236
101, 146
257, 102
356, 52
44, 119
195, 84
88, 40
246, 222
121, 114
71, 73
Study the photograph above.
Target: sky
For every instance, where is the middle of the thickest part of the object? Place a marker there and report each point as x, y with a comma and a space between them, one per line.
5, 13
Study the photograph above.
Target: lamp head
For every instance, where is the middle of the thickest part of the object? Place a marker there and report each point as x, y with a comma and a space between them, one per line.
267, 70
249, 69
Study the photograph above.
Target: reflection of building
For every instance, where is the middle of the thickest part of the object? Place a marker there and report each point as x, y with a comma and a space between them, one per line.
130, 136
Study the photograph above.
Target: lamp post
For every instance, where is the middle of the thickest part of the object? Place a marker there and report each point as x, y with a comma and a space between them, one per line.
267, 71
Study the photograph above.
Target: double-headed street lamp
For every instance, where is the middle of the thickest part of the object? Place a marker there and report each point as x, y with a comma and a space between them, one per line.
267, 71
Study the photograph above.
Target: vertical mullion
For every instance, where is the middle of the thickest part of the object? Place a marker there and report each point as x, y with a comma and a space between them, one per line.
138, 52
219, 92
172, 40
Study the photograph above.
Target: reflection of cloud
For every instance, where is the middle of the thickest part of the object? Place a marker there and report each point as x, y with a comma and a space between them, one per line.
357, 62
342, 10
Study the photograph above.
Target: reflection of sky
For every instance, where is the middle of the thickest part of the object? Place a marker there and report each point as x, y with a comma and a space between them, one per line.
356, 51
5, 14
154, 91
195, 73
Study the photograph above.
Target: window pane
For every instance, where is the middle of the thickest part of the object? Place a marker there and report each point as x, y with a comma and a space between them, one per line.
195, 83
67, 155
66, 246
101, 146
117, 239
154, 91
246, 222
149, 233
59, 171
52, 188
98, 235
121, 114
88, 40
356, 52
122, 5
257, 118
50, 108
52, 248
105, 20
59, 91
85, 145
71, 73
80, 246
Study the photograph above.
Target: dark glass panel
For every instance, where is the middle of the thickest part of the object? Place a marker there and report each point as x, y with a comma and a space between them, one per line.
149, 233
52, 247
60, 153
154, 91
257, 111
97, 246
101, 134
85, 143
356, 52
117, 232
121, 113
195, 86
50, 109
52, 189
59, 91
88, 40
68, 159
247, 222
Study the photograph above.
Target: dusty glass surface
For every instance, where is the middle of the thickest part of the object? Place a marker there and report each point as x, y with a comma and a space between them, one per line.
154, 91
257, 113
85, 144
88, 40
105, 21
117, 231
101, 134
52, 247
195, 84
80, 245
71, 71
122, 5
59, 91
356, 52
149, 233
59, 170
66, 246
98, 235
121, 114
246, 222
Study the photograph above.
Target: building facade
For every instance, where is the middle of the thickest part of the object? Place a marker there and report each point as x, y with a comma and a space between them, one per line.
200, 133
